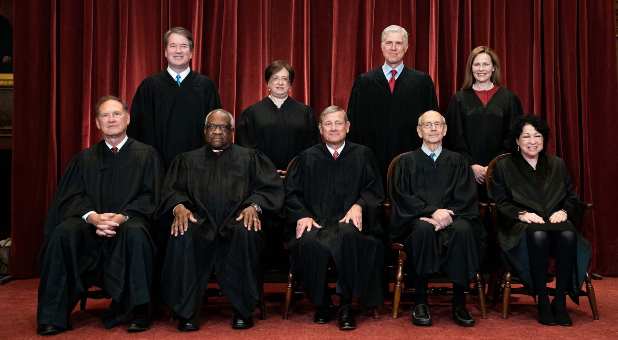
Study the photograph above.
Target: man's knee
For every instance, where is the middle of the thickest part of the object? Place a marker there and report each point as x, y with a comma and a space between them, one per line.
461, 226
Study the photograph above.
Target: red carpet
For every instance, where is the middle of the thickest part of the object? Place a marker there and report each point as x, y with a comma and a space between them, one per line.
18, 315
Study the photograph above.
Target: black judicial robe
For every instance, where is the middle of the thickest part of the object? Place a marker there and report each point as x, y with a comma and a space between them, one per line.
386, 122
481, 132
171, 117
516, 187
73, 256
323, 188
216, 187
418, 188
280, 133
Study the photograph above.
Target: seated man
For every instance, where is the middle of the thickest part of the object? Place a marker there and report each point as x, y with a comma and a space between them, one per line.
435, 214
216, 194
332, 192
97, 228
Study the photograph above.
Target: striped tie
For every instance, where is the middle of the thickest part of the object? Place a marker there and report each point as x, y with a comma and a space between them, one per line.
335, 155
178, 79
433, 156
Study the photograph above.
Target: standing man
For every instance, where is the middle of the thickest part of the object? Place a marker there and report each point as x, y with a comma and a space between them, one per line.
386, 102
168, 108
217, 194
97, 230
333, 191
435, 215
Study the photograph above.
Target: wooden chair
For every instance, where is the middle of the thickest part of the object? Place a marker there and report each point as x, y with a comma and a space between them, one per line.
401, 256
509, 279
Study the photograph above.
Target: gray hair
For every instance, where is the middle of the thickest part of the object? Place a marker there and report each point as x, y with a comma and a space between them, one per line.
395, 29
333, 109
229, 115
420, 118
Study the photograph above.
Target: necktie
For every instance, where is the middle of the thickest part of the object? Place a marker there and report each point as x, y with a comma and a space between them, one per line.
178, 79
391, 82
433, 156
335, 154
114, 150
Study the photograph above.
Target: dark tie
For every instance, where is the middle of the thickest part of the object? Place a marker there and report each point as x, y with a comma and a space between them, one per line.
391, 82
433, 156
114, 150
335, 154
178, 79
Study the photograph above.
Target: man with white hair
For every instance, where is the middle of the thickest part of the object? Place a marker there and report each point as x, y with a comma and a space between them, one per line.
386, 102
216, 195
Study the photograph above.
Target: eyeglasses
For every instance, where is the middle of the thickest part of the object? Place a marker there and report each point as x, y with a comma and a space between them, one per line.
429, 125
215, 127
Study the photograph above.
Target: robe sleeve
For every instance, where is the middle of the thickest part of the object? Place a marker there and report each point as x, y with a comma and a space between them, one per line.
501, 195
267, 187
213, 100
245, 129
314, 132
71, 199
140, 105
145, 203
295, 207
407, 206
372, 193
175, 187
573, 206
431, 95
514, 112
464, 200
355, 110
455, 139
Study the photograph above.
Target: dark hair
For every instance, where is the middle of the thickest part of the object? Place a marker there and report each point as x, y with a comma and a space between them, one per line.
180, 31
104, 99
537, 122
469, 77
277, 66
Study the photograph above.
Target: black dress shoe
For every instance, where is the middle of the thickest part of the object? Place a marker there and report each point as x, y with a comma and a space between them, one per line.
238, 322
561, 316
322, 315
345, 320
421, 315
138, 325
462, 317
49, 330
546, 316
186, 325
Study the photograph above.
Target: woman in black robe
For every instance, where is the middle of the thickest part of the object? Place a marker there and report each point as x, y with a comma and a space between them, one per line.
278, 125
537, 207
481, 114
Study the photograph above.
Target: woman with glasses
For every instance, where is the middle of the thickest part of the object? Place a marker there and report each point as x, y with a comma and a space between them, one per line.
481, 114
537, 207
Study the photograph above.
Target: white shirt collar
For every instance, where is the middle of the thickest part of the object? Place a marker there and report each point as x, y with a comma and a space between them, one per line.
387, 71
277, 101
182, 74
120, 145
428, 151
339, 149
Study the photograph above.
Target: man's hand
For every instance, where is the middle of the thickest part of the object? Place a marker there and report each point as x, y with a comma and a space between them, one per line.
355, 214
305, 223
479, 173
182, 216
282, 173
444, 217
250, 218
529, 217
106, 224
558, 217
436, 225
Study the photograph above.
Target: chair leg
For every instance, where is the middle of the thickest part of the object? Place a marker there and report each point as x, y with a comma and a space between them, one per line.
506, 295
398, 285
592, 299
262, 307
480, 287
288, 295
82, 302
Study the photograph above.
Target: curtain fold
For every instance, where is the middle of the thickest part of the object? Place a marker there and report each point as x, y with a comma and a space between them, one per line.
557, 56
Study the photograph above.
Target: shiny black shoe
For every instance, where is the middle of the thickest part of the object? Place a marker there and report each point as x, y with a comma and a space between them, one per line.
138, 325
345, 320
187, 325
421, 315
546, 316
462, 317
322, 315
561, 316
46, 330
238, 322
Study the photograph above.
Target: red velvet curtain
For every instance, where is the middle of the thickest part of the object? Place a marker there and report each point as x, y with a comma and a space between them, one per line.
558, 56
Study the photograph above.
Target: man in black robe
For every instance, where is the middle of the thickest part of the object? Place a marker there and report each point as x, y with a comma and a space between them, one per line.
435, 215
216, 194
333, 190
97, 230
168, 108
386, 102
